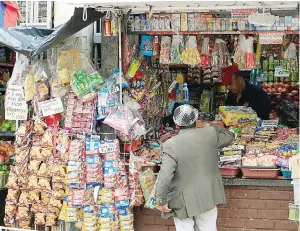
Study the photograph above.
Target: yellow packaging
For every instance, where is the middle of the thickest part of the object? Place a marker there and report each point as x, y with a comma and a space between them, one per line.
233, 115
184, 22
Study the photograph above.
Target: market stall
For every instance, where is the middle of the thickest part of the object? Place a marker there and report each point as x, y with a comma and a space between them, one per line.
88, 149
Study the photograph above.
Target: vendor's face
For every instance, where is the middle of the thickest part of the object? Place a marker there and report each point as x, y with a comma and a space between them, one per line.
235, 85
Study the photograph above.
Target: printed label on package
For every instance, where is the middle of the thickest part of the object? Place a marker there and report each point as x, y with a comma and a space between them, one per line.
241, 14
270, 123
51, 106
15, 103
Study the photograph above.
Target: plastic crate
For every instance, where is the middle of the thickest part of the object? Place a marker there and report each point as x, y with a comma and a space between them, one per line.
286, 173
229, 172
260, 173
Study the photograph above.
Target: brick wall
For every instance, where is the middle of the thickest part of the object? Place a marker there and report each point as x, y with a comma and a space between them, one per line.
247, 209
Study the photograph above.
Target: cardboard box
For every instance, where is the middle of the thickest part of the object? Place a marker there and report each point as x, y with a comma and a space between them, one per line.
296, 167
232, 115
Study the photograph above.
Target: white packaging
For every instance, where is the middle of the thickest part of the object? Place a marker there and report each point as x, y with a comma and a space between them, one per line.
175, 22
296, 184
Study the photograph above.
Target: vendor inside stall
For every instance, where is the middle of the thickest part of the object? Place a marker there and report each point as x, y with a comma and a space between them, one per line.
242, 93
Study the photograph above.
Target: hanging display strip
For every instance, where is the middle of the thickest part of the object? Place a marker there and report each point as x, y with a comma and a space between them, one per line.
271, 38
217, 32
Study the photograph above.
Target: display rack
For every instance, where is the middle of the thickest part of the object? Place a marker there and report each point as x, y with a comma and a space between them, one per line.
214, 32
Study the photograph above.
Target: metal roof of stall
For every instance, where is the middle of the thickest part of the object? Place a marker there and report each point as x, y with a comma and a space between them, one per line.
139, 6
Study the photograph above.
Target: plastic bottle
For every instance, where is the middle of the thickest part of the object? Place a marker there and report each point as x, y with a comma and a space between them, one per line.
180, 81
186, 92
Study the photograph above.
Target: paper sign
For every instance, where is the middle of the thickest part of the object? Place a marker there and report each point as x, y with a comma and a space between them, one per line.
280, 72
261, 78
15, 104
233, 147
51, 106
241, 14
271, 38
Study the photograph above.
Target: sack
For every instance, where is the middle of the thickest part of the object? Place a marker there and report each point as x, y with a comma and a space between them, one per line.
288, 114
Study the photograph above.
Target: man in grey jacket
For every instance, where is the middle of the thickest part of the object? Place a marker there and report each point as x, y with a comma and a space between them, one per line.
189, 185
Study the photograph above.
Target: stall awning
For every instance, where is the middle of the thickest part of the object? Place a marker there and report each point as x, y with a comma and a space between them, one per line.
31, 41
8, 13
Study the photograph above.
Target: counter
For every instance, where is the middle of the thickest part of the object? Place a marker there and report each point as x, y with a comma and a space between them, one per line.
252, 204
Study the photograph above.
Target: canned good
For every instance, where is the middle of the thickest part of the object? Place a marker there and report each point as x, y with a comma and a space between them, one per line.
271, 65
265, 65
271, 76
107, 27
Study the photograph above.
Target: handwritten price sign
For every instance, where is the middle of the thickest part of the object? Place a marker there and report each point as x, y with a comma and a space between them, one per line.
51, 106
15, 104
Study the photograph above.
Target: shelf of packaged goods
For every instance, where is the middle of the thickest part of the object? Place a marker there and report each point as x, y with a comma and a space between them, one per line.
7, 64
213, 32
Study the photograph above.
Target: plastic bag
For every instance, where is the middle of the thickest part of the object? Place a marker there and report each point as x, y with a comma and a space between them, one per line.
165, 50
288, 114
147, 182
191, 54
176, 49
120, 120
147, 45
291, 52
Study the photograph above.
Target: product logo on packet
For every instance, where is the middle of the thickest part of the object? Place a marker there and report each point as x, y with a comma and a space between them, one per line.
243, 120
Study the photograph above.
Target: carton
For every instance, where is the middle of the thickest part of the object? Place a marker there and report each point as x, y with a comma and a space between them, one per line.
232, 115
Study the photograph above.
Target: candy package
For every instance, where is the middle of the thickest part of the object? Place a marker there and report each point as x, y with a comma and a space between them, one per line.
147, 181
146, 46
165, 50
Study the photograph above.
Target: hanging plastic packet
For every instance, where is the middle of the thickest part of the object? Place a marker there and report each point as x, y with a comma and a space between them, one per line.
165, 50
146, 46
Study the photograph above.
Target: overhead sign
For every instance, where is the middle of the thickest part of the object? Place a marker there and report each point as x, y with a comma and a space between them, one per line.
280, 72
271, 38
241, 14
51, 106
15, 104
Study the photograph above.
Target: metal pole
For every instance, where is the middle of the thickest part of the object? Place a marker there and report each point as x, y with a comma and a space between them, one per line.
120, 58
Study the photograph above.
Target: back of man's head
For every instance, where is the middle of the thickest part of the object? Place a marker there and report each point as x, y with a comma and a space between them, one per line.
185, 116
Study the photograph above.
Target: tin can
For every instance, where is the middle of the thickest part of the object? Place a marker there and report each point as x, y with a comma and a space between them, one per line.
107, 27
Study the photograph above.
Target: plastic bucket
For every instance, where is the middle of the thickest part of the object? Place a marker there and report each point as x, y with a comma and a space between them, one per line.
296, 184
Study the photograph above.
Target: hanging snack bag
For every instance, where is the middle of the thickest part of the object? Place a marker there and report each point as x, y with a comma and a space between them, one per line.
147, 45
165, 50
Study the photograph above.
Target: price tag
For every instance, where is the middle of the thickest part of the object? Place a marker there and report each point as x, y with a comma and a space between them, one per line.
51, 106
233, 147
15, 104
103, 148
280, 72
95, 137
229, 158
